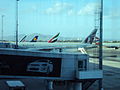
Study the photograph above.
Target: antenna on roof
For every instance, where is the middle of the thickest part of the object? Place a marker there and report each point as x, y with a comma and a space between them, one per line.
16, 47
2, 28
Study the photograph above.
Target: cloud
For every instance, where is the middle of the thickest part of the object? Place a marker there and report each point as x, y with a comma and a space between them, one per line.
89, 9
68, 9
2, 9
30, 9
59, 8
34, 8
70, 12
115, 14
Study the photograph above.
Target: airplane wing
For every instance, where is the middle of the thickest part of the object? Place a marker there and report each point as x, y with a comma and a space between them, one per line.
112, 46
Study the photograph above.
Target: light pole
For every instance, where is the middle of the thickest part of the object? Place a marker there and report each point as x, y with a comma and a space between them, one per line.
17, 24
101, 40
101, 34
2, 29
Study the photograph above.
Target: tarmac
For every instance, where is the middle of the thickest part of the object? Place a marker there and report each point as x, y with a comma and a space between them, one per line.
111, 69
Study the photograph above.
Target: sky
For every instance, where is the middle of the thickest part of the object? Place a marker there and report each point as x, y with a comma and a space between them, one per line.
72, 18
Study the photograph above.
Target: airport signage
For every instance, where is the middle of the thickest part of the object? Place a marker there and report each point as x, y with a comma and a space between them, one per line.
16, 65
22, 63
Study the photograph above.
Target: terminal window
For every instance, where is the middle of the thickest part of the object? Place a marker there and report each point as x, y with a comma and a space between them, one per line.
81, 65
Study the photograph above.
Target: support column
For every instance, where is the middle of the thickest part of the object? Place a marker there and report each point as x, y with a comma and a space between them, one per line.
78, 86
69, 85
49, 85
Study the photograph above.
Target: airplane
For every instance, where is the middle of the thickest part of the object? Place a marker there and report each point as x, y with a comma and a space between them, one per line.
87, 43
54, 39
112, 46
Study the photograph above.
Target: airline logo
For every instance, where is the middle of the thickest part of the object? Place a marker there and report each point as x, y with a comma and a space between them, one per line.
54, 39
23, 39
91, 37
97, 41
34, 39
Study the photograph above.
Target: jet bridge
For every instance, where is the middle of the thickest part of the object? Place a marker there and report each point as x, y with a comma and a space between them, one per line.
51, 66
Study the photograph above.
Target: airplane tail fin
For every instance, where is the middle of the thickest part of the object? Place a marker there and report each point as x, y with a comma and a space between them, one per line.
23, 39
89, 39
97, 40
54, 39
34, 39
